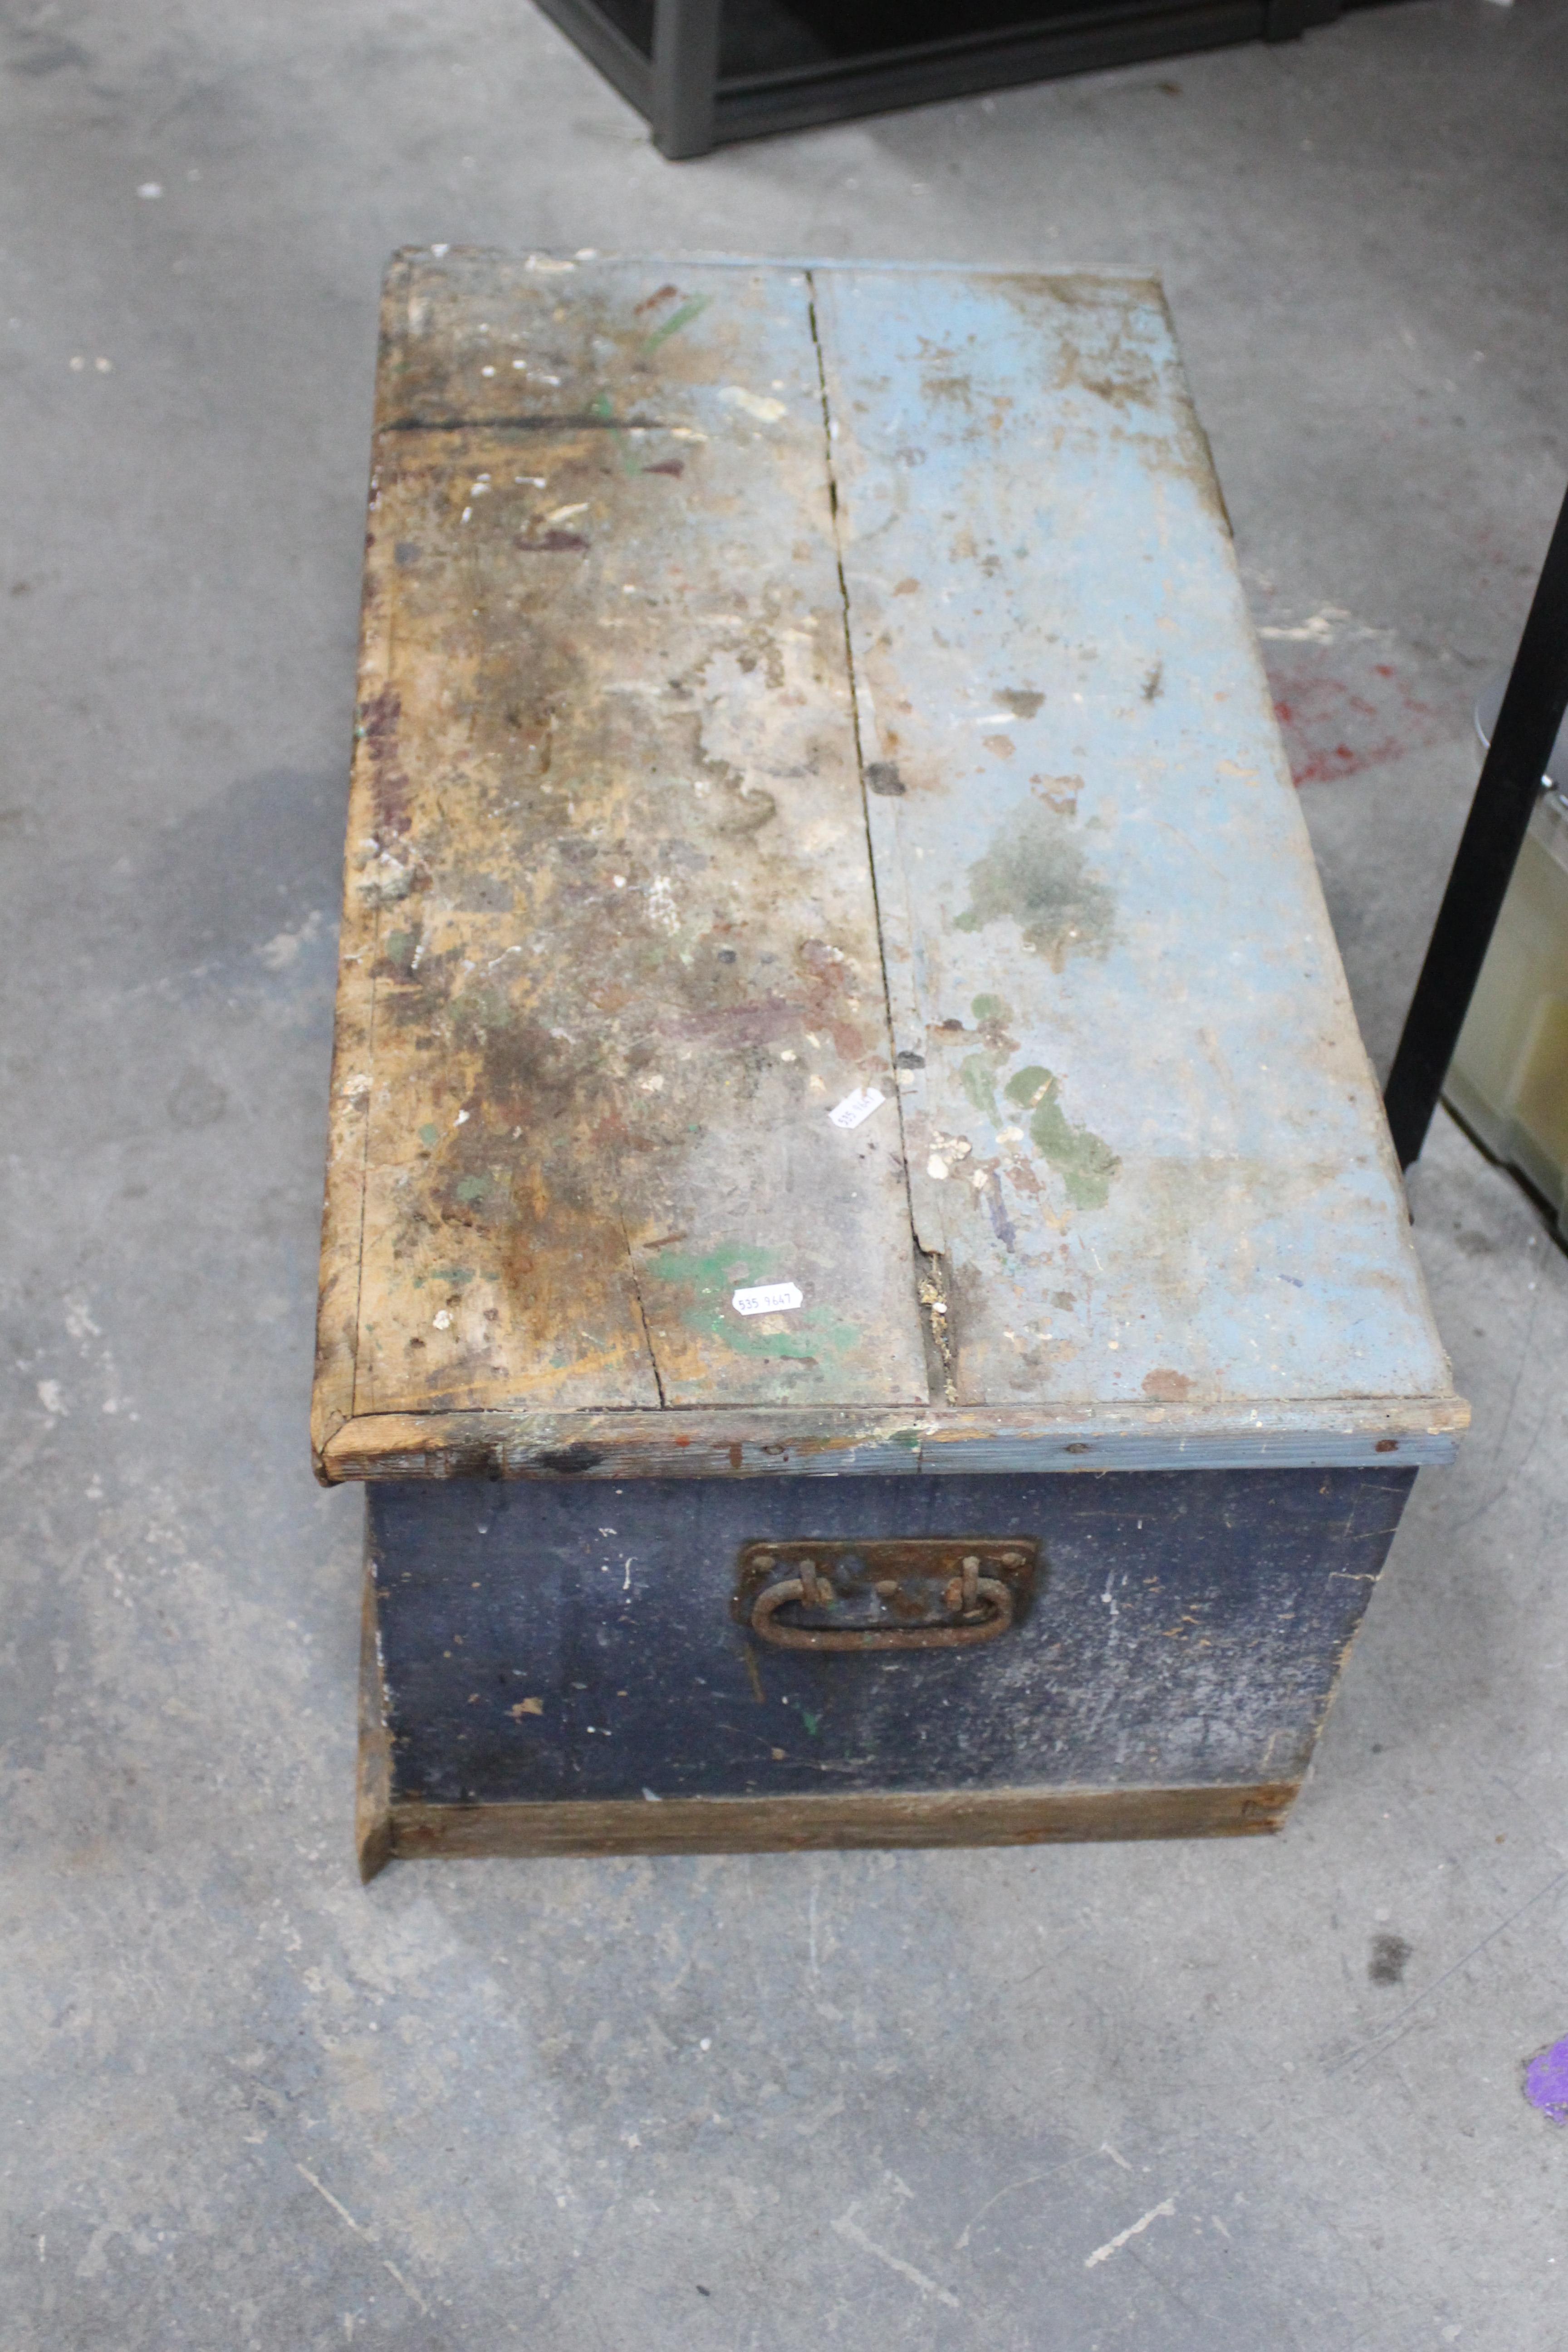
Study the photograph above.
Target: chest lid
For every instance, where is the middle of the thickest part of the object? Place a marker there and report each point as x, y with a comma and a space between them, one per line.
833, 972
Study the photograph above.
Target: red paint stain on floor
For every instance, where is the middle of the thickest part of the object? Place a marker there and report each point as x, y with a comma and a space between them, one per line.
1341, 712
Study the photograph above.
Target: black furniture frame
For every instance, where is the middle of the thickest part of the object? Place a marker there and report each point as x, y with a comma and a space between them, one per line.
671, 59
1510, 786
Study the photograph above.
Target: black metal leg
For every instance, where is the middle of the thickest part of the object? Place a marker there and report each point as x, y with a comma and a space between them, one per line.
685, 75
1521, 744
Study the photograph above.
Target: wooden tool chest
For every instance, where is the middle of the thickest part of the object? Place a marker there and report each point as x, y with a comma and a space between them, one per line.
863, 1266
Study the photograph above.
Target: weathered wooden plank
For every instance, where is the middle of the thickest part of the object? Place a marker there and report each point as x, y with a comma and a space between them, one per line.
799, 1824
1150, 1151
608, 845
611, 950
759, 1443
544, 1643
373, 1774
338, 1294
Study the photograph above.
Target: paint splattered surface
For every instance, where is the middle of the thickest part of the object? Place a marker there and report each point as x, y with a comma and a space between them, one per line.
778, 685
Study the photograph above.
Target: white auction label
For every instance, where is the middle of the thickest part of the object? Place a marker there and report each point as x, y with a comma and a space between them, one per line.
772, 1298
857, 1106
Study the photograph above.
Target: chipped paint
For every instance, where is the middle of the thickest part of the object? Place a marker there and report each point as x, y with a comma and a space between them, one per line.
709, 764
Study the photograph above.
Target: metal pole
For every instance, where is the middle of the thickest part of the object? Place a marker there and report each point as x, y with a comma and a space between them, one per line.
1509, 785
685, 75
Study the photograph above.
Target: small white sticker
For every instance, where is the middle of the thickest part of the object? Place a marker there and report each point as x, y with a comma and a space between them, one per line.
772, 1298
857, 1106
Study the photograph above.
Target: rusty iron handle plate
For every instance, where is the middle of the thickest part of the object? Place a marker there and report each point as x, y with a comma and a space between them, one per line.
988, 1590
937, 1583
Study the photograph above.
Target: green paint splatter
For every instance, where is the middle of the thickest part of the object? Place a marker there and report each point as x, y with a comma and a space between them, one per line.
1083, 1159
477, 1012
677, 320
814, 1331
429, 1136
454, 1274
810, 1721
631, 463
992, 1008
400, 947
1036, 872
977, 1075
471, 1187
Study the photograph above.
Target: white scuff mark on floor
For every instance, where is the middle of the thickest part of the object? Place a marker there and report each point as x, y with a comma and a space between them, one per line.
1133, 2230
283, 948
79, 1324
52, 1398
1029, 2180
1323, 627
848, 2228
341, 2211
413, 2293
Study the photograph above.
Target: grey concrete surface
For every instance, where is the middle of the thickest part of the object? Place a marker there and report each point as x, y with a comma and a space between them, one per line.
918, 2100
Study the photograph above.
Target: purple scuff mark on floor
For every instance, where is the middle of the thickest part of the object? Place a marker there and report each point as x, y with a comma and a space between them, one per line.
1546, 2082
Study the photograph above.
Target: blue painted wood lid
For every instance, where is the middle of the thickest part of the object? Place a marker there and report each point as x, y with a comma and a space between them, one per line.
834, 972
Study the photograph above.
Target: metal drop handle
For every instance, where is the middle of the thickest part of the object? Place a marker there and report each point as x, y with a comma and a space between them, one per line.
967, 1593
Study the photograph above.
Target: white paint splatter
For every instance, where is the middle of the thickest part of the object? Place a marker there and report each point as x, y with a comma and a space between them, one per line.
1134, 2230
78, 1322
851, 2229
1319, 630
755, 403
283, 948
52, 1398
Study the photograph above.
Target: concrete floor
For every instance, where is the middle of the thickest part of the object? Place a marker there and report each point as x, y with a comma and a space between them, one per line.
863, 2100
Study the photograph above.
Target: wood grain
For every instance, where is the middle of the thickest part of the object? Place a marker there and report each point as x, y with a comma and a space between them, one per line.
1148, 1143
778, 682
798, 1824
608, 842
718, 1443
